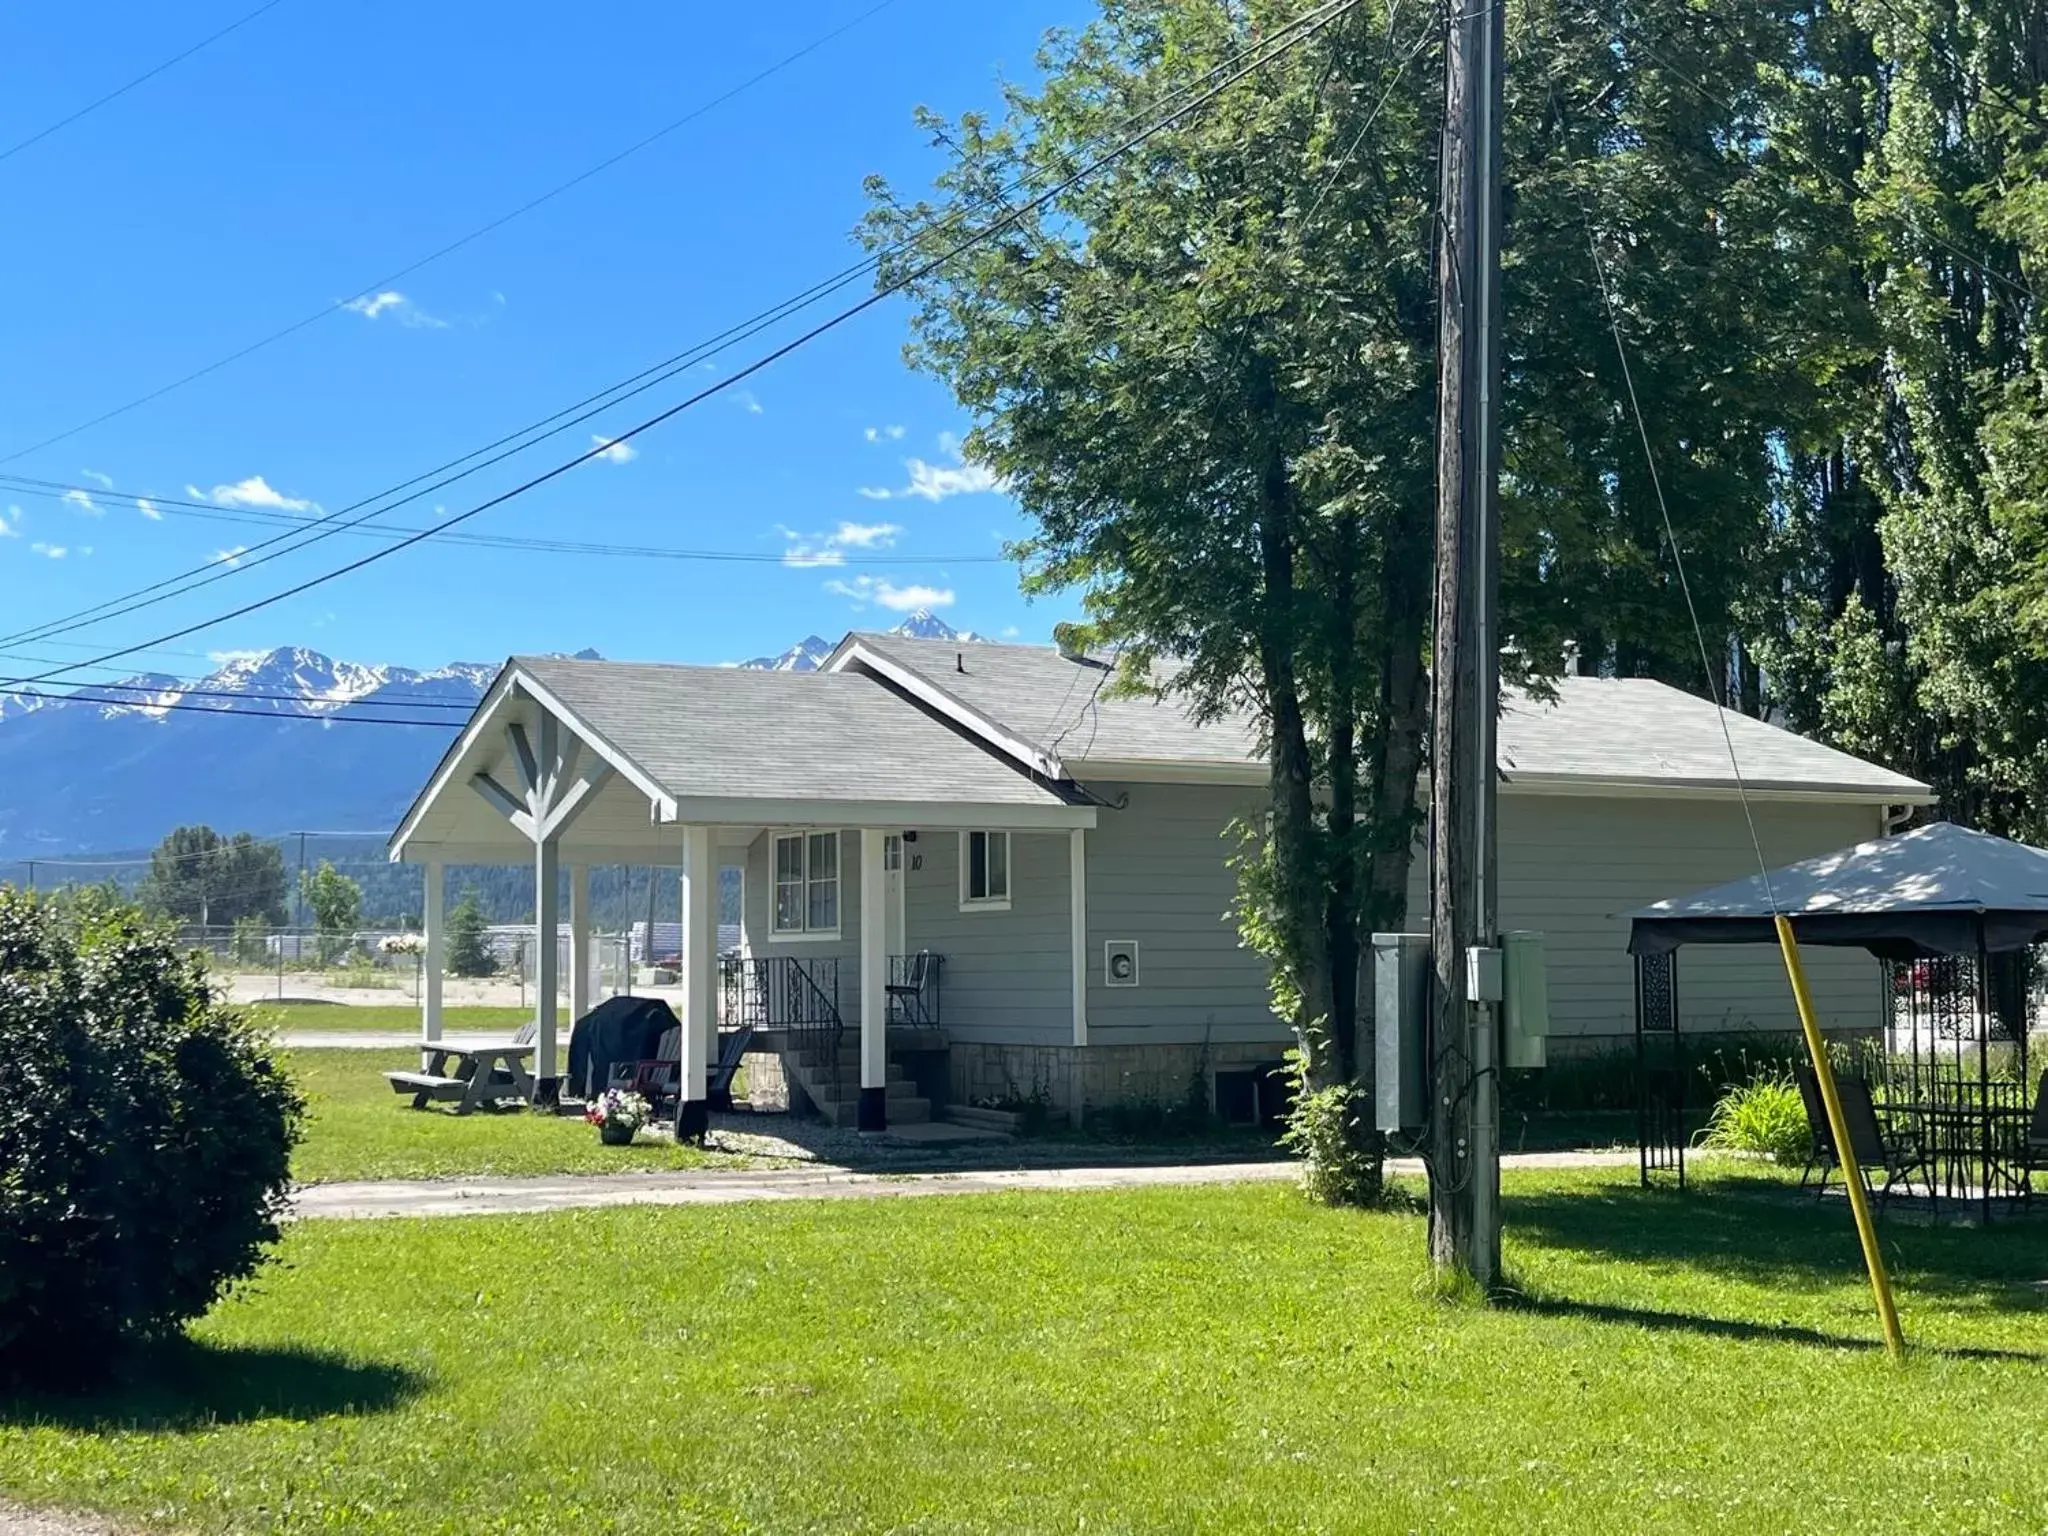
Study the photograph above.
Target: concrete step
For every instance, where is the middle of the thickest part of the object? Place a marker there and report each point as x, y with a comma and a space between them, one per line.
900, 1111
1002, 1121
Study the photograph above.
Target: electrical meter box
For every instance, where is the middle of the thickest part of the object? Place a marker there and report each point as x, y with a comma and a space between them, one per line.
1400, 1007
1525, 1002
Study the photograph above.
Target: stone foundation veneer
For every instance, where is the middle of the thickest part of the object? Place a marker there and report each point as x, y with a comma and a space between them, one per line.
1078, 1079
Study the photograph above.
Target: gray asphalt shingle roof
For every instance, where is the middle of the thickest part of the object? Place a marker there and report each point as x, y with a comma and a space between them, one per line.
1617, 730
721, 732
1056, 703
1636, 730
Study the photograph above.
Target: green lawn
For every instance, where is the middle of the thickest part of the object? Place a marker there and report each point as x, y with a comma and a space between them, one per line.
394, 1018
357, 1128
1174, 1360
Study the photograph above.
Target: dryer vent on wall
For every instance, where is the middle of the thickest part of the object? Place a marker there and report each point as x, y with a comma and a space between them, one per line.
1120, 962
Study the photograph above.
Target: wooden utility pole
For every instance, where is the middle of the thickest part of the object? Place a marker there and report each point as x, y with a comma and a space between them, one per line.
1464, 1196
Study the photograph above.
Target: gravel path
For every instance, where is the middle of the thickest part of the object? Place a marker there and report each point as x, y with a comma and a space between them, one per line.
16, 1521
494, 1197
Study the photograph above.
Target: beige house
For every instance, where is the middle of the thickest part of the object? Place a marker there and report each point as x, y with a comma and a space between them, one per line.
976, 875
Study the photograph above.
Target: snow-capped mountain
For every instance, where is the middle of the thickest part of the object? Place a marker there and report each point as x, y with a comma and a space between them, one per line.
114, 766
809, 653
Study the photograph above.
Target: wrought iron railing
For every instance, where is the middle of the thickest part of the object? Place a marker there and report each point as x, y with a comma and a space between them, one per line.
782, 992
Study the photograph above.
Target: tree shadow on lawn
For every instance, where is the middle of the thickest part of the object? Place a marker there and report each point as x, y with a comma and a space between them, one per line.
1738, 1328
186, 1384
1762, 1232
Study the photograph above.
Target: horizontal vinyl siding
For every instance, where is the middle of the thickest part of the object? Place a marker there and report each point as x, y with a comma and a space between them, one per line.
1158, 872
1571, 865
1006, 977
756, 905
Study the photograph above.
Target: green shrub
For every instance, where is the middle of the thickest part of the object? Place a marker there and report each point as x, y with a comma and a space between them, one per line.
1763, 1115
1330, 1130
145, 1140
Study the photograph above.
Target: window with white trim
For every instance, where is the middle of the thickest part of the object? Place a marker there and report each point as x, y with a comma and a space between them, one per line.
984, 870
806, 866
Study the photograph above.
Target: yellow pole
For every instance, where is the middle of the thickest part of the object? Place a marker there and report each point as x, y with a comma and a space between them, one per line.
1859, 1200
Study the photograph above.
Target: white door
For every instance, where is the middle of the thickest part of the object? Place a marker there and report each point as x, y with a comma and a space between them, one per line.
892, 865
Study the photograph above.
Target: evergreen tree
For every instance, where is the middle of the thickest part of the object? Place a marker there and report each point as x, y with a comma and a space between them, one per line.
469, 950
336, 902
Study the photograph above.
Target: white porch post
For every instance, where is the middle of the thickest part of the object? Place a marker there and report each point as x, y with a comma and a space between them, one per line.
547, 919
872, 1114
700, 981
433, 961
580, 947
1077, 904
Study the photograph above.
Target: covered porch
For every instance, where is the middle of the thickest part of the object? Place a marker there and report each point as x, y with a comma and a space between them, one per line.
569, 765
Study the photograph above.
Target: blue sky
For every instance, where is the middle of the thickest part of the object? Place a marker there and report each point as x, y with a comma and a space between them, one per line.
326, 144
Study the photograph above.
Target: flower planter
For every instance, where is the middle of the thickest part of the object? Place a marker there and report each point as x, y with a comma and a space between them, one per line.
616, 1134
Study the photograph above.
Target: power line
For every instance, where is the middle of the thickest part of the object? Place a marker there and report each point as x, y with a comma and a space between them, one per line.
1326, 17
340, 717
1714, 688
256, 696
211, 571
142, 79
455, 245
57, 490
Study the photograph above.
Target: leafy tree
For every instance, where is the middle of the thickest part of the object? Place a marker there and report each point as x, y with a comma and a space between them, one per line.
1208, 375
146, 1136
336, 902
469, 952
196, 876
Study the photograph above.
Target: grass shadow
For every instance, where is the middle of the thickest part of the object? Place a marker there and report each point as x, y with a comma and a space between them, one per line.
1765, 1232
186, 1384
1738, 1328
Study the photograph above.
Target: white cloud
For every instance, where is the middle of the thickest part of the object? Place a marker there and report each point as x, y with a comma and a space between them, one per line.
148, 509
252, 492
50, 551
935, 482
371, 305
222, 658
105, 482
1010, 631
815, 549
886, 594
230, 557
10, 523
396, 304
83, 502
747, 401
876, 434
613, 452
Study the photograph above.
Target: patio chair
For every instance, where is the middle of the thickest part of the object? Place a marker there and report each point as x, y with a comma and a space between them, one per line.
1898, 1152
2033, 1148
658, 1078
906, 997
1823, 1154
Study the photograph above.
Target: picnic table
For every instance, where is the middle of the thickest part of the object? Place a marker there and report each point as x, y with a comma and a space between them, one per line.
468, 1076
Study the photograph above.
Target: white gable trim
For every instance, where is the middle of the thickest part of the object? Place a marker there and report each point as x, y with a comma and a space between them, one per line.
920, 687
510, 683
664, 803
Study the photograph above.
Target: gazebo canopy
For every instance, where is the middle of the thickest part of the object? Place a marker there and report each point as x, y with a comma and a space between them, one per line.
1937, 890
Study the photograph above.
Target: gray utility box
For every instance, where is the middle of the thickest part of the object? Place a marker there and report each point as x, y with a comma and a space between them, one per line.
1400, 1007
1525, 1004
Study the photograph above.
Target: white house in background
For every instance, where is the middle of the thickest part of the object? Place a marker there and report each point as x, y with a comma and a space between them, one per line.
1061, 857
